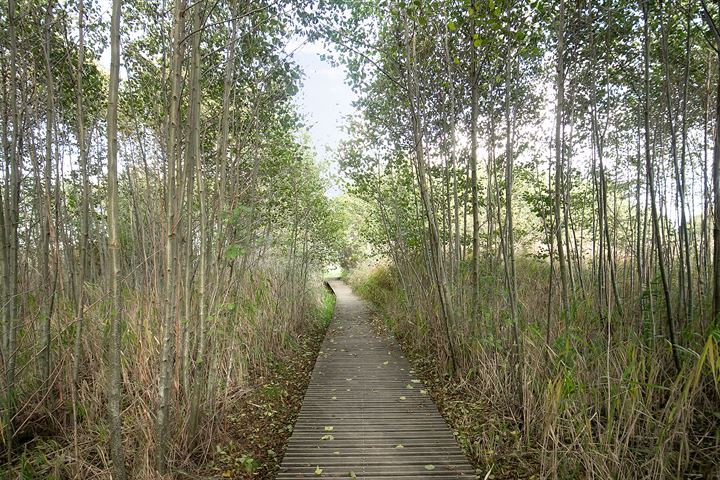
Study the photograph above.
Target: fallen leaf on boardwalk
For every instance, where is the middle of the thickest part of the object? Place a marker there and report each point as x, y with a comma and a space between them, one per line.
327, 437
336, 453
385, 362
400, 445
333, 398
348, 379
352, 474
402, 398
409, 387
423, 391
415, 380
429, 466
328, 429
318, 470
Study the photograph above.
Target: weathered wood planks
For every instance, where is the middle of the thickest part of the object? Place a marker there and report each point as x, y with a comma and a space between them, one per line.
365, 414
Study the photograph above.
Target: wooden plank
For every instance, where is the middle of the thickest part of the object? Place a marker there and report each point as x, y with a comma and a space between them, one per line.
365, 413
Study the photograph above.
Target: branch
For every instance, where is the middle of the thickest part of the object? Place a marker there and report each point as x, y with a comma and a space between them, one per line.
711, 23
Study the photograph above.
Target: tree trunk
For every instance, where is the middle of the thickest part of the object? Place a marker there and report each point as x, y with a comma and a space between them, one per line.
115, 344
510, 235
684, 251
49, 293
715, 172
172, 152
436, 264
10, 244
560, 90
473, 172
85, 216
651, 186
199, 371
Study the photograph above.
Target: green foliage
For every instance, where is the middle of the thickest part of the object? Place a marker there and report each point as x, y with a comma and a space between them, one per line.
325, 310
233, 252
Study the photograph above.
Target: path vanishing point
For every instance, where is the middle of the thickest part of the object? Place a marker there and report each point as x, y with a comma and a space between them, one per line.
364, 414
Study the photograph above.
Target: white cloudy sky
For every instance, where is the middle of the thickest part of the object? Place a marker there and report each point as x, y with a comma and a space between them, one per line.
325, 100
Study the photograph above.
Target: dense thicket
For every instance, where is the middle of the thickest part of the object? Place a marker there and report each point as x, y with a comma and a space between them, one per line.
543, 178
162, 226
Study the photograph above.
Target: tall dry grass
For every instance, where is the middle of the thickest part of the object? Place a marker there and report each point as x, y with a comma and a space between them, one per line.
599, 399
63, 433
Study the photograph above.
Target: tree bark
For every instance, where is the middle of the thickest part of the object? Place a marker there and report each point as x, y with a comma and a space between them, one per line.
172, 153
651, 185
473, 172
10, 244
115, 344
436, 265
560, 90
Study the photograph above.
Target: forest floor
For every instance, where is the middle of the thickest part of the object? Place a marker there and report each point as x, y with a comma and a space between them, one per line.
468, 416
263, 419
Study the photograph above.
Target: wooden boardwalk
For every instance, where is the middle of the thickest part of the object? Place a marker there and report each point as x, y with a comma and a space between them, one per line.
365, 415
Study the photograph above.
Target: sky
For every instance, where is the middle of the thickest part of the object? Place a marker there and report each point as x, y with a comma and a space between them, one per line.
325, 100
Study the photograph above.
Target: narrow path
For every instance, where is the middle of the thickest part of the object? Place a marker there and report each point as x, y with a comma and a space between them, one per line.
364, 414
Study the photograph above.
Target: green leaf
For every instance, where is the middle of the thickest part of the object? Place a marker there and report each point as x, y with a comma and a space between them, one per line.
452, 26
233, 252
429, 466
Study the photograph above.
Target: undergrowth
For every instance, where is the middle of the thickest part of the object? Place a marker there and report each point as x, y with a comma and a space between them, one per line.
257, 328
261, 421
591, 406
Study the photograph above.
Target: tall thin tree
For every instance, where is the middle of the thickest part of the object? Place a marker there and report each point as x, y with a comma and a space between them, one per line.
116, 319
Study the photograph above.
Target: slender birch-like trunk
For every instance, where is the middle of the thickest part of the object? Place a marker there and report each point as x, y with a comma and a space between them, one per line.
116, 320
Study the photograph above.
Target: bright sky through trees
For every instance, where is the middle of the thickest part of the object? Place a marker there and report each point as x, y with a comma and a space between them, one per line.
325, 99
